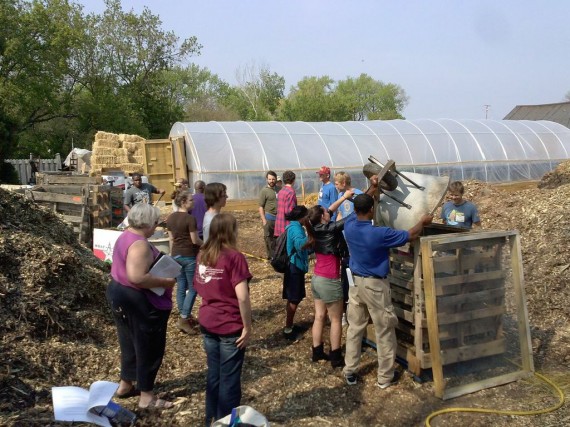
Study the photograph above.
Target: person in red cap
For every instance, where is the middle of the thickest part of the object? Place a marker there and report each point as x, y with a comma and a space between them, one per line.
328, 193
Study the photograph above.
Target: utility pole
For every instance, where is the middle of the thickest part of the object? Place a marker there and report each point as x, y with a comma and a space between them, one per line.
486, 110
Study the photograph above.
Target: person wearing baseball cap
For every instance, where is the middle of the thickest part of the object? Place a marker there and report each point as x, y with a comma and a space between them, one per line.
328, 193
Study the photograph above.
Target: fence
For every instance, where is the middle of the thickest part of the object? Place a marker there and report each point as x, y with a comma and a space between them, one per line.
24, 167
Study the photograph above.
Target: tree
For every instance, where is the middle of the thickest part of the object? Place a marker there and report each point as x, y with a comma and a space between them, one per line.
369, 99
313, 100
123, 67
257, 94
35, 41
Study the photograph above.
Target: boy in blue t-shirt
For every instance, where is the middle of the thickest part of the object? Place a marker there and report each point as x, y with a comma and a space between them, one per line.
328, 193
459, 212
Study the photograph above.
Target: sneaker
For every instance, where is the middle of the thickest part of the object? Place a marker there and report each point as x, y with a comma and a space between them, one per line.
344, 321
351, 379
289, 334
394, 381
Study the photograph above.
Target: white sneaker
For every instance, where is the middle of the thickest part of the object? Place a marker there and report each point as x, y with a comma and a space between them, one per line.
344, 321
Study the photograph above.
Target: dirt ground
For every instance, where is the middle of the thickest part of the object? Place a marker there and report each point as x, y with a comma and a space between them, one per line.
56, 330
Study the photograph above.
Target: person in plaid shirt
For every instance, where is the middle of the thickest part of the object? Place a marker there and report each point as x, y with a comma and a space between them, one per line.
286, 201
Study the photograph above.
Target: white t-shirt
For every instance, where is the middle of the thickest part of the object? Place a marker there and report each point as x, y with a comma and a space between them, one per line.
208, 217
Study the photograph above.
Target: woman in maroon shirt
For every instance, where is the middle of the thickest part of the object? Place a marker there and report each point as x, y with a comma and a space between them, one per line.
221, 279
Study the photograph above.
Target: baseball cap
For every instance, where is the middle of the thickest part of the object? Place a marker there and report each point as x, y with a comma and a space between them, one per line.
324, 170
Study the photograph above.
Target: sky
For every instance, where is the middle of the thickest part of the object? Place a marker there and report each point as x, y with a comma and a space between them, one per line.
454, 59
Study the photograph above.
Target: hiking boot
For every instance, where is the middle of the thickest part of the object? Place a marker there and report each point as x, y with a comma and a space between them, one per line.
335, 356
185, 327
319, 353
351, 379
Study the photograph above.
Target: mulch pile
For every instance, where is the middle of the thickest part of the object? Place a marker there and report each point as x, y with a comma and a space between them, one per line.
57, 330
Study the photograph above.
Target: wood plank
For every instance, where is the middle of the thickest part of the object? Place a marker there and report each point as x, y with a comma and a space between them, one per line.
470, 278
446, 263
482, 238
470, 352
445, 301
402, 313
39, 196
402, 296
70, 179
520, 298
404, 283
468, 329
462, 390
431, 313
446, 318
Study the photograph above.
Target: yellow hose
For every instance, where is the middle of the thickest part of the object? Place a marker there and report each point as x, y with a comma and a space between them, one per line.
500, 412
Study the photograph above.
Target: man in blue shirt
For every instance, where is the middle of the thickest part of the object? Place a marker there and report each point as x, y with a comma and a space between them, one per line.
370, 297
327, 194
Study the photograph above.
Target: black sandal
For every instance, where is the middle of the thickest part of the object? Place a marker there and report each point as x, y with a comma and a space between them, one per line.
131, 393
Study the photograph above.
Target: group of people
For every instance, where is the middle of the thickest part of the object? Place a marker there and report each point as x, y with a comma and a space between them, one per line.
204, 242
350, 275
338, 230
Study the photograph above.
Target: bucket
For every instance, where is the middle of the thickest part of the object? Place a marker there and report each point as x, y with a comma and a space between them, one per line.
161, 243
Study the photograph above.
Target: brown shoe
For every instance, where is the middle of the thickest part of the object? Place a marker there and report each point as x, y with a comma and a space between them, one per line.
185, 327
193, 322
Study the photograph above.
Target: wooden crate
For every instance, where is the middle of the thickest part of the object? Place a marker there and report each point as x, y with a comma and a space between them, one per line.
80, 199
448, 291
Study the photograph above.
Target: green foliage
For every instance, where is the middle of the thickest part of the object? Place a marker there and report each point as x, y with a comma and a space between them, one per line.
257, 95
64, 75
314, 100
319, 99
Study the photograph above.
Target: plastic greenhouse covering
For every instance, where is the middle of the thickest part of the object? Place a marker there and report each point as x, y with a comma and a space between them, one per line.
239, 153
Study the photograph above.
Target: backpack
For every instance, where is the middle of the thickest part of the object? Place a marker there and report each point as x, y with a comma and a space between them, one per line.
280, 261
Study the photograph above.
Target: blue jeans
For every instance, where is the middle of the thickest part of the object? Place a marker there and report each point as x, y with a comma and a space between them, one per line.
223, 388
185, 292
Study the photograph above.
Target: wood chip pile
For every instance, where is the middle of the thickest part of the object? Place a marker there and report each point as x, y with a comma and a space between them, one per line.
112, 151
50, 289
56, 327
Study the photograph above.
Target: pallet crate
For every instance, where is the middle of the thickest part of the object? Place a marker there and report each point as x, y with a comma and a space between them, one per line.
459, 297
80, 199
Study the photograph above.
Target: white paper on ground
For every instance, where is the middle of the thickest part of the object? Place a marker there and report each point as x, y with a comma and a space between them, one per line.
74, 403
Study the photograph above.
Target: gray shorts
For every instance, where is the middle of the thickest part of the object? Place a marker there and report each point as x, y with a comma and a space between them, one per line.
327, 290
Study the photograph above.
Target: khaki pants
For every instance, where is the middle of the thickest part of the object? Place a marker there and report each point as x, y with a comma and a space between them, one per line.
370, 298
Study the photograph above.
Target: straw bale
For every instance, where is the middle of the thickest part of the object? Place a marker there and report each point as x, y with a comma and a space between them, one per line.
131, 167
106, 136
103, 160
103, 151
134, 138
133, 147
105, 143
138, 159
123, 158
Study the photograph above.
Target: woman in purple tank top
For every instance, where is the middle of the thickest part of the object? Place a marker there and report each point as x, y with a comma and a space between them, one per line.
141, 304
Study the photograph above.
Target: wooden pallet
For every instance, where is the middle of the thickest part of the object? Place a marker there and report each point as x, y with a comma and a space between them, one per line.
81, 200
466, 273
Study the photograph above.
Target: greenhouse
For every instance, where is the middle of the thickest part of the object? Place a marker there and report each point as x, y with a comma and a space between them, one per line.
239, 153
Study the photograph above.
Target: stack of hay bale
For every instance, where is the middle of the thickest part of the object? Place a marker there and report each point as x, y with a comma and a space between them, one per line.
117, 152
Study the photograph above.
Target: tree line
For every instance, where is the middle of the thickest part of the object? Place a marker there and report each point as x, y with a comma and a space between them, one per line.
65, 74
